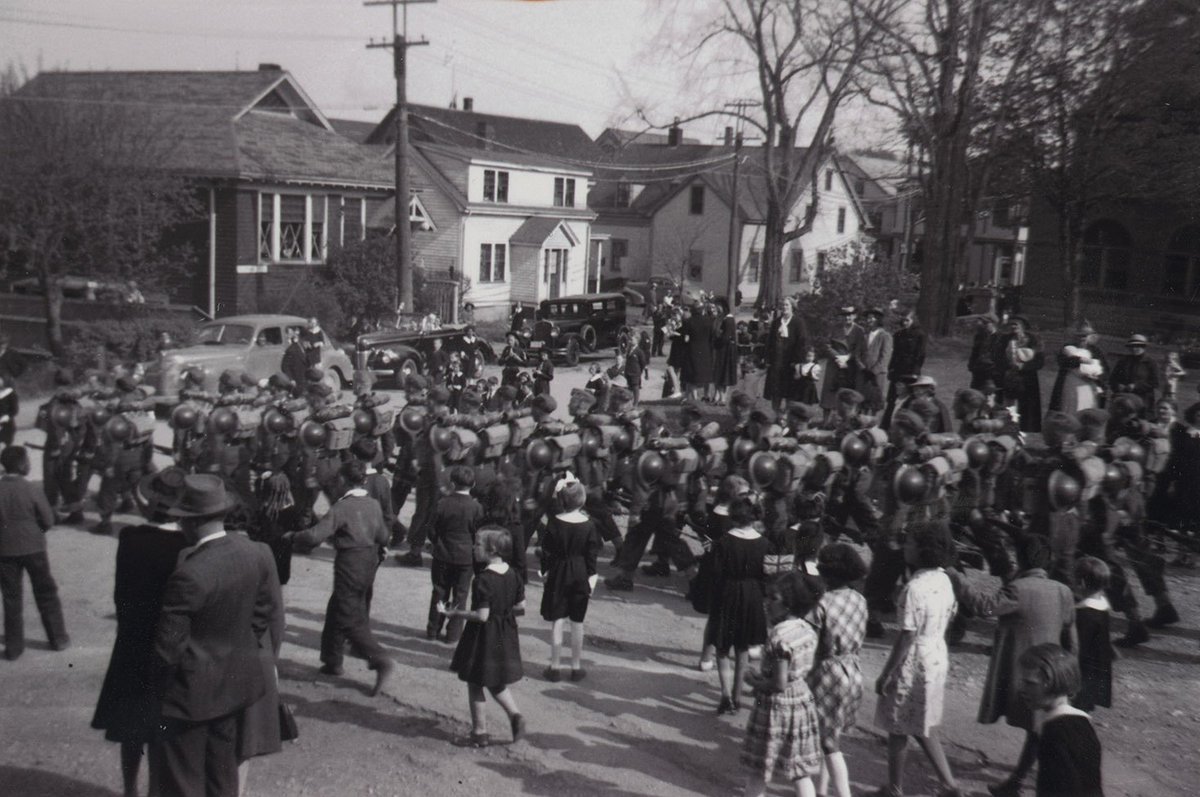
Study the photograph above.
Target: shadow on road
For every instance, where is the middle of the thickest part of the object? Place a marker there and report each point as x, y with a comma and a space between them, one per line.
36, 783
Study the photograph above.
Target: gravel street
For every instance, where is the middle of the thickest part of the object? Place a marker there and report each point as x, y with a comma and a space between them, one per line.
643, 722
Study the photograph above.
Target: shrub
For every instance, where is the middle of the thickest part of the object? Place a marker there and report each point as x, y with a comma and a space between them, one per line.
134, 338
855, 275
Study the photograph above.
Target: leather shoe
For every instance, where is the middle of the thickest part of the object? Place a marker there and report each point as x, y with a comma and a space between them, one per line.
1136, 635
383, 671
61, 644
660, 569
331, 669
517, 723
1164, 616
621, 583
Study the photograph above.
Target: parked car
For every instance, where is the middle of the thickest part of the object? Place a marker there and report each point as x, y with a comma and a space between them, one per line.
250, 343
392, 353
663, 286
573, 325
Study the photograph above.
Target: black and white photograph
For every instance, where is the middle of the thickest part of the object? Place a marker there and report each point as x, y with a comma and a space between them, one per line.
600, 397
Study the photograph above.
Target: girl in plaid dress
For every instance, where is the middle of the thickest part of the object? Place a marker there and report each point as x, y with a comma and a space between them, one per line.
837, 683
784, 732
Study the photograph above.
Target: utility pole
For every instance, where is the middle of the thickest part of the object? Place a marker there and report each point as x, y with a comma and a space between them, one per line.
399, 46
735, 242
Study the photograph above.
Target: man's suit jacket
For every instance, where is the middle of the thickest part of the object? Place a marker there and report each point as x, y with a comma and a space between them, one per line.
218, 604
878, 352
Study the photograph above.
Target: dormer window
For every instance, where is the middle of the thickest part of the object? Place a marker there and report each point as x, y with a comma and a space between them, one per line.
495, 186
696, 201
624, 195
564, 192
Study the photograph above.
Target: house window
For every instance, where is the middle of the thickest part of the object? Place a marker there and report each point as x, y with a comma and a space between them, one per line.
620, 250
266, 226
291, 227
796, 266
696, 264
624, 195
860, 187
564, 192
1001, 217
495, 186
820, 265
696, 205
1107, 250
753, 266
352, 220
1181, 267
841, 222
829, 179
492, 260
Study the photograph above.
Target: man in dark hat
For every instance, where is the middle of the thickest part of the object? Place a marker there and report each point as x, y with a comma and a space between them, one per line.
359, 534
295, 360
1135, 373
908, 358
218, 604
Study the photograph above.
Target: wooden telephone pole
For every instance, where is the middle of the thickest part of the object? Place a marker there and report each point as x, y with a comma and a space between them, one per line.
399, 46
735, 239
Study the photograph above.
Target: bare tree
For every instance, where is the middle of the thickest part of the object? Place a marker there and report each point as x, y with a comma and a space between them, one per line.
1090, 127
948, 69
804, 57
86, 190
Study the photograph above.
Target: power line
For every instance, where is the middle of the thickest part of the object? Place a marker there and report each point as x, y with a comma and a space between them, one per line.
205, 34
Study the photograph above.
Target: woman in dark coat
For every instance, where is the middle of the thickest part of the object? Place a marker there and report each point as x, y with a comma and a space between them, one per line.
700, 352
511, 360
128, 708
786, 344
725, 365
679, 361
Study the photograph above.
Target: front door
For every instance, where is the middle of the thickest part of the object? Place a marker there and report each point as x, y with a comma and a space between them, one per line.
554, 271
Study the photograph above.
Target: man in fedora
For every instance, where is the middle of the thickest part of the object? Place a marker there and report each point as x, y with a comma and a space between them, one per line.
1135, 373
877, 357
217, 606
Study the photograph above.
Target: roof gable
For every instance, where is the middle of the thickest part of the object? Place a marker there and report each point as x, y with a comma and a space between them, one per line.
479, 131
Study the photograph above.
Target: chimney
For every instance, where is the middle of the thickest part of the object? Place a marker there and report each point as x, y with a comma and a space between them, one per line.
270, 68
485, 132
728, 136
468, 104
674, 134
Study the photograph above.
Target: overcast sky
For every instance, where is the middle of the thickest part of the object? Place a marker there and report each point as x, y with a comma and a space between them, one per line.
585, 61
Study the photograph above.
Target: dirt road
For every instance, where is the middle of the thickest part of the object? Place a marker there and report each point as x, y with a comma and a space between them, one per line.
643, 722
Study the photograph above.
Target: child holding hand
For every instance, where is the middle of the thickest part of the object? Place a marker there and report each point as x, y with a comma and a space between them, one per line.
1068, 751
1096, 653
784, 732
570, 547
488, 655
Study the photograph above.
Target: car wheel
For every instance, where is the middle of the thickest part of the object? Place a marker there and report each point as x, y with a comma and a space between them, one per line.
480, 361
588, 333
571, 356
335, 380
408, 366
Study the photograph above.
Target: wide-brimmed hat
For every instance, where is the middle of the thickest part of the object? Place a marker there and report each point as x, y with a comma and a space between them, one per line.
1085, 328
925, 380
162, 490
847, 310
1137, 340
204, 496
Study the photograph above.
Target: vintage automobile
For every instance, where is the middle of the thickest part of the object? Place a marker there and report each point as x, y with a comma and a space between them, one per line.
250, 343
573, 325
392, 353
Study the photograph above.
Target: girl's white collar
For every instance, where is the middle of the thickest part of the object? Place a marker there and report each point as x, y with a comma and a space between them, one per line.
1099, 602
573, 516
498, 567
745, 533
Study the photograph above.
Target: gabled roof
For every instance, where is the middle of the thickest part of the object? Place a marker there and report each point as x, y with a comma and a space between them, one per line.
888, 173
615, 138
474, 130
500, 156
534, 231
354, 129
229, 125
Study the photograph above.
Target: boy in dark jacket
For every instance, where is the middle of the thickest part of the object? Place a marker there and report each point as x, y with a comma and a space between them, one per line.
25, 517
452, 532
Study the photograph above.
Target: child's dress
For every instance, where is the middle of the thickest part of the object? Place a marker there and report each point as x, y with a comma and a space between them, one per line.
783, 731
569, 552
1095, 654
738, 620
1069, 755
598, 384
837, 682
806, 385
489, 654
911, 704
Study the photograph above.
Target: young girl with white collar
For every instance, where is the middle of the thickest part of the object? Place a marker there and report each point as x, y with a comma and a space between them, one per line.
488, 655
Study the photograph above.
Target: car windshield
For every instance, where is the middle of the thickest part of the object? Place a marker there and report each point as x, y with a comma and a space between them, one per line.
225, 334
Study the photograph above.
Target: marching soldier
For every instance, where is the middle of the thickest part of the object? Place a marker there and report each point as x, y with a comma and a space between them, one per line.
64, 422
427, 488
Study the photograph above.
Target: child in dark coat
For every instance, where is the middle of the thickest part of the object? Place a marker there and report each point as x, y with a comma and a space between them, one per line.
1096, 652
456, 518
